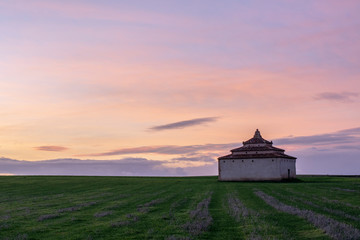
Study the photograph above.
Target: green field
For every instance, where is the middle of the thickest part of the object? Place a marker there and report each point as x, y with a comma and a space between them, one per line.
60, 207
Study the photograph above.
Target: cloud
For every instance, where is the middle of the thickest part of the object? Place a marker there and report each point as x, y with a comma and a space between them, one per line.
93, 11
350, 131
51, 148
184, 124
339, 97
167, 149
121, 167
199, 158
336, 139
328, 153
348, 147
346, 136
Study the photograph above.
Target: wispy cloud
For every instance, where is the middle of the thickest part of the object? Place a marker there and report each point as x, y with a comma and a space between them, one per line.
51, 148
167, 149
346, 136
192, 152
121, 167
184, 124
339, 97
199, 158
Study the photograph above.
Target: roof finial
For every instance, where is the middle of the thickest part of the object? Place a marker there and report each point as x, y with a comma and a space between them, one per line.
257, 134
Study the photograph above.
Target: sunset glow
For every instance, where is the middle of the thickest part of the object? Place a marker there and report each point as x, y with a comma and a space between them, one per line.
179, 83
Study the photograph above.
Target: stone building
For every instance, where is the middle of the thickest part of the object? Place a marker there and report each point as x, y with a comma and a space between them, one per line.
256, 160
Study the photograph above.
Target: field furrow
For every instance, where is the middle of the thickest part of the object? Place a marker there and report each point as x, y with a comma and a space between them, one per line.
60, 207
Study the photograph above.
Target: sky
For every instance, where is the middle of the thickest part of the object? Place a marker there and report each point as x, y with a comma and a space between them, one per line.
164, 87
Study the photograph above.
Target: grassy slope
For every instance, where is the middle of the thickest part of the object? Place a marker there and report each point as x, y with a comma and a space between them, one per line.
161, 208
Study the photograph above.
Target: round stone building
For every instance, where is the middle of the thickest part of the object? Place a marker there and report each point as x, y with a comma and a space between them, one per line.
256, 160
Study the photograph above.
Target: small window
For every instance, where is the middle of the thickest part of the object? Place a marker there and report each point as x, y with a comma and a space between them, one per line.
272, 160
233, 160
224, 161
252, 160
242, 160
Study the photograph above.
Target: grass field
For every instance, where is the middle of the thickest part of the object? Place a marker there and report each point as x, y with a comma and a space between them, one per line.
59, 207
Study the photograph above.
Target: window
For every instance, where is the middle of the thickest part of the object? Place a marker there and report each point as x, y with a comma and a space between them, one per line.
252, 160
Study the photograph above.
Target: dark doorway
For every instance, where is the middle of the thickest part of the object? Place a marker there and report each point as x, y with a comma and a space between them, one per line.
289, 173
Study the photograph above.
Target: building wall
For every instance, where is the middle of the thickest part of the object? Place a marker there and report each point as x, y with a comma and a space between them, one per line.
258, 169
287, 168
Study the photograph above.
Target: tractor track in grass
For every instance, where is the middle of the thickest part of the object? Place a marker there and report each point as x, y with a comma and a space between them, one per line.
335, 229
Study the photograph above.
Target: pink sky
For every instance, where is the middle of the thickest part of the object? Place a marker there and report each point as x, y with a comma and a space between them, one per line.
82, 78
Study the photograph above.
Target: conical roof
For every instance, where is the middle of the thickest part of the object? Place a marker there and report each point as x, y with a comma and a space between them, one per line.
257, 147
257, 139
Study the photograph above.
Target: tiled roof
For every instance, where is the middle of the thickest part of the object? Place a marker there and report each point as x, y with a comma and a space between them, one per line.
258, 155
257, 148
